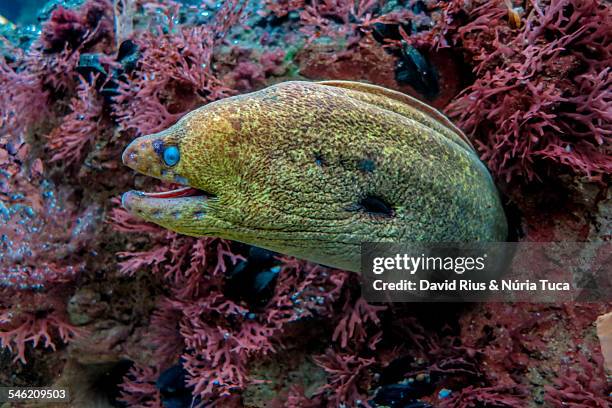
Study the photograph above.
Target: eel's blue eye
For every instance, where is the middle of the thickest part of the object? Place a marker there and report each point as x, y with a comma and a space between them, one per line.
171, 155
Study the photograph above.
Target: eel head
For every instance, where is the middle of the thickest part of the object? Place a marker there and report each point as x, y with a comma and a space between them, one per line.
192, 208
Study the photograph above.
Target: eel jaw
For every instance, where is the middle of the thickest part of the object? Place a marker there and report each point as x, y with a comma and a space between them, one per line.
180, 210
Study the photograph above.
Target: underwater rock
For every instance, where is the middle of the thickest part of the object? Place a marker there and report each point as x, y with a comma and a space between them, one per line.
85, 306
372, 64
90, 385
376, 65
290, 368
105, 344
604, 332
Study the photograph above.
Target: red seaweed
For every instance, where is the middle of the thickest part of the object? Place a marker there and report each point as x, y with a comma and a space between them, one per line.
539, 105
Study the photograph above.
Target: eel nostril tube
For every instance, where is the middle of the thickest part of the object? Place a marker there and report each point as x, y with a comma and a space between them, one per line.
129, 155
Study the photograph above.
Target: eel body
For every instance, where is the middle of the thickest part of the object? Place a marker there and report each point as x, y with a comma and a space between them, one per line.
313, 170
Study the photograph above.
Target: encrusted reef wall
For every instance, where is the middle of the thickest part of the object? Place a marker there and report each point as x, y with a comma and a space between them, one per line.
129, 314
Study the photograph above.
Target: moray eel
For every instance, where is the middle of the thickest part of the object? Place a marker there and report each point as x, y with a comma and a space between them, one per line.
313, 169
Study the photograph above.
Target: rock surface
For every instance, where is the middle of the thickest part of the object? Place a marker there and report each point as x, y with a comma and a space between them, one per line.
604, 332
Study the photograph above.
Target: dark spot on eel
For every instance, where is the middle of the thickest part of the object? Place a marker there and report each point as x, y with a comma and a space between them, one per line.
366, 165
376, 206
319, 160
158, 147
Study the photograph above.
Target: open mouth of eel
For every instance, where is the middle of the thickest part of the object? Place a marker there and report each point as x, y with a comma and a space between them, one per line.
185, 191
177, 201
173, 203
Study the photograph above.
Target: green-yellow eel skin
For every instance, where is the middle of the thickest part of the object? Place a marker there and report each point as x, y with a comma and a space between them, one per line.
314, 169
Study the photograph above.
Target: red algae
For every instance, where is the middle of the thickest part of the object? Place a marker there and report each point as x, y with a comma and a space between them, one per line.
538, 106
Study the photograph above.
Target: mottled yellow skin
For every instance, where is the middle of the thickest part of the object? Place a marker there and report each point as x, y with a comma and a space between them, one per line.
290, 165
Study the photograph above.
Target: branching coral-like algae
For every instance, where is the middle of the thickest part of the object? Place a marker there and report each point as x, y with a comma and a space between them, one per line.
314, 169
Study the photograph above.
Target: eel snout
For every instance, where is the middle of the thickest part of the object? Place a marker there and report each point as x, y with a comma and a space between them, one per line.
159, 157
143, 155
